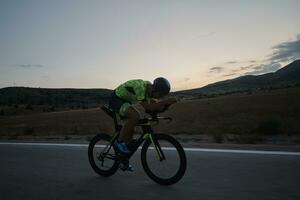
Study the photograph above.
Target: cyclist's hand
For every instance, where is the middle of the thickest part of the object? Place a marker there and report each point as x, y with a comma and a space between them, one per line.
168, 102
153, 100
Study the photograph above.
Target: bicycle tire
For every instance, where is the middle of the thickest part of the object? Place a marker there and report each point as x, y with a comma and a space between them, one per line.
93, 142
182, 166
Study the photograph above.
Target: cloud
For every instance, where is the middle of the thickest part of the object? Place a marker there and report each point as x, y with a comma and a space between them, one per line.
243, 68
211, 33
182, 80
264, 68
246, 67
216, 69
229, 74
231, 62
286, 51
187, 79
29, 66
208, 34
235, 70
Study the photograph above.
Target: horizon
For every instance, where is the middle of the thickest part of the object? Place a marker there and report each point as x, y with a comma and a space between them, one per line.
98, 44
171, 91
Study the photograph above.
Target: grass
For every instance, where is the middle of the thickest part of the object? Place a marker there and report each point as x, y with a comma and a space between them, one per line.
248, 117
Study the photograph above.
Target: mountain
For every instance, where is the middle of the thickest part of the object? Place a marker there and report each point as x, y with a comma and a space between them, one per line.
53, 97
284, 77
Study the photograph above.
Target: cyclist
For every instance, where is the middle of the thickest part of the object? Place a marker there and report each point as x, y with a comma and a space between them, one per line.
132, 100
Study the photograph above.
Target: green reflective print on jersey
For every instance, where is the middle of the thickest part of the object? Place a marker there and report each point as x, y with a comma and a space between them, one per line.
133, 90
124, 108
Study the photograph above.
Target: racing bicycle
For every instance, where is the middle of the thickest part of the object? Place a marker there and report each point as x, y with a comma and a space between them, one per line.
162, 156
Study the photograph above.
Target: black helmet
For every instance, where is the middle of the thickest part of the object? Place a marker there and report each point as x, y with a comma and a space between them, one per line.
161, 85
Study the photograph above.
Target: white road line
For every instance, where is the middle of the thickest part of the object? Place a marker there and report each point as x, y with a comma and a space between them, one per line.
168, 148
43, 144
244, 151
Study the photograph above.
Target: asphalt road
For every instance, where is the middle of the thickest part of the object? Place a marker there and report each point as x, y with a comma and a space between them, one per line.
62, 172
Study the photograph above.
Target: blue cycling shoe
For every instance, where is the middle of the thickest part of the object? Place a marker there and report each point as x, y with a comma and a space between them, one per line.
130, 168
126, 167
122, 147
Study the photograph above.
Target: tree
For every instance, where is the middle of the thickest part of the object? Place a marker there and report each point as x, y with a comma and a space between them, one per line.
28, 107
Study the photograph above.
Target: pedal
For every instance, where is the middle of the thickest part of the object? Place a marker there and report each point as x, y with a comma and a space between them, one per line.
124, 164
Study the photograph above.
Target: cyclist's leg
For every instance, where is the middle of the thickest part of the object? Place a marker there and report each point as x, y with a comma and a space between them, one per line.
128, 128
133, 113
123, 108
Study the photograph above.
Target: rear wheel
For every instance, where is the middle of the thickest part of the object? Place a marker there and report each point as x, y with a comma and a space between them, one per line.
102, 155
164, 162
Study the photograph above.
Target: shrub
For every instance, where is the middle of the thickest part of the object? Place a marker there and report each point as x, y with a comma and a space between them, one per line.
28, 131
67, 137
84, 107
75, 130
248, 139
88, 138
269, 127
29, 107
218, 138
52, 108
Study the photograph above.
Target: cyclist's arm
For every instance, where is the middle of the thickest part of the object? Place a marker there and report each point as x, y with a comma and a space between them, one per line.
158, 106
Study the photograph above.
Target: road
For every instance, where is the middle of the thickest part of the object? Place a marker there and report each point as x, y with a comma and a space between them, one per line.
63, 172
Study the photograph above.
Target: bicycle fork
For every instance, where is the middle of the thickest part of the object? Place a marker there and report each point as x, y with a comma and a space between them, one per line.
157, 147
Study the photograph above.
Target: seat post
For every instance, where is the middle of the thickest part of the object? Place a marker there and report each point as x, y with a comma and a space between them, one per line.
113, 115
147, 129
117, 126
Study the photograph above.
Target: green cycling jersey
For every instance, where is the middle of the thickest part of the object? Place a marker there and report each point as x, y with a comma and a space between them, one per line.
133, 91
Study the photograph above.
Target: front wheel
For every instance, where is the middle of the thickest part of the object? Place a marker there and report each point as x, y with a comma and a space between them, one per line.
163, 159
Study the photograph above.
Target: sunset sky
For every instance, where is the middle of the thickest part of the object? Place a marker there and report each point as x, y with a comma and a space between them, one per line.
100, 44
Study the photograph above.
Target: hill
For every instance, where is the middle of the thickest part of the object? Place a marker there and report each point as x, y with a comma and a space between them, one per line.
285, 77
53, 97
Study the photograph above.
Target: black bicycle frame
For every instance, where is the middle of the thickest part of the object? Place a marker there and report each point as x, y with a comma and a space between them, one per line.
147, 134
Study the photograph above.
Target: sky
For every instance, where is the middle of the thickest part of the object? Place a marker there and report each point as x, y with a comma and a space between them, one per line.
100, 44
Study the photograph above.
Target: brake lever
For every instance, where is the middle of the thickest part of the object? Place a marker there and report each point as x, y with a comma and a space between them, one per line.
169, 119
154, 121
154, 118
